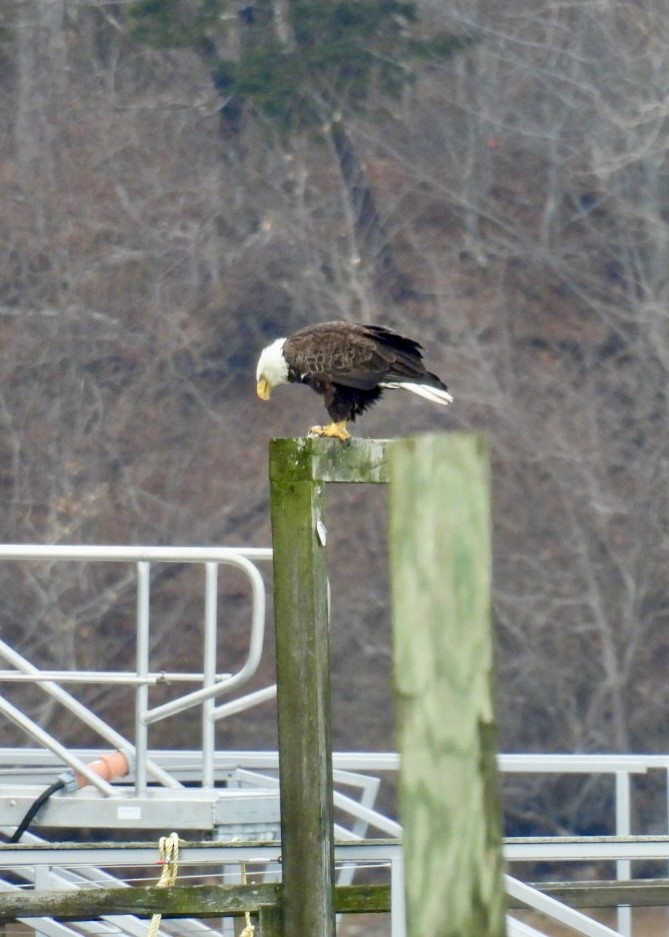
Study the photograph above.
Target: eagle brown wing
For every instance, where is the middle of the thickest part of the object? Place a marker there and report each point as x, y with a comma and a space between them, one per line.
358, 356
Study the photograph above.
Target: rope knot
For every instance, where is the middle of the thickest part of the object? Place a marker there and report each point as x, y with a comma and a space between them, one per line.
168, 851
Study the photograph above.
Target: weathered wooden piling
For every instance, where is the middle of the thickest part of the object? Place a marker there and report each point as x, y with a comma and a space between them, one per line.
299, 469
443, 670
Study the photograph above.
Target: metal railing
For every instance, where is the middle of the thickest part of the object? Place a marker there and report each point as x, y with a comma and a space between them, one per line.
213, 684
361, 769
257, 770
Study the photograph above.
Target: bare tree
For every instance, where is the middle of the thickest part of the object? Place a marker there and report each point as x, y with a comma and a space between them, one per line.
147, 254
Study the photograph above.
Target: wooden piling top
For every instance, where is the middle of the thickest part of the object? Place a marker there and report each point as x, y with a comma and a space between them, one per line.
327, 460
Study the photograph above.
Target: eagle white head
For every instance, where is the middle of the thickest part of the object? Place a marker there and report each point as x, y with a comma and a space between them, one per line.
272, 369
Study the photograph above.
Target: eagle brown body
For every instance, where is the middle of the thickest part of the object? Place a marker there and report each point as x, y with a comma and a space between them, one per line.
350, 365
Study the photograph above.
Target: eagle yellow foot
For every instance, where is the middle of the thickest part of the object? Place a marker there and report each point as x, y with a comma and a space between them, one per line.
332, 431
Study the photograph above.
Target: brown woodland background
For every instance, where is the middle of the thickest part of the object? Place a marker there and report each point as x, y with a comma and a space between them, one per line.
510, 208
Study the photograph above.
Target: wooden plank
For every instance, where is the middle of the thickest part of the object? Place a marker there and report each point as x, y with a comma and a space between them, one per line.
175, 901
639, 893
179, 901
443, 668
303, 690
362, 899
265, 900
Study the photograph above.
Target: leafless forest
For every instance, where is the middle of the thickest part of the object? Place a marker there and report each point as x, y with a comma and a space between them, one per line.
510, 208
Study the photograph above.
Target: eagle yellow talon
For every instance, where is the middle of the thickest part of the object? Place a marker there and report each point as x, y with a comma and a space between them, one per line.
332, 431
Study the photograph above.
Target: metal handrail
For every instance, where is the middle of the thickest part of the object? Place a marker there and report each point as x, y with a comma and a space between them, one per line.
120, 677
129, 554
81, 712
243, 558
620, 849
556, 910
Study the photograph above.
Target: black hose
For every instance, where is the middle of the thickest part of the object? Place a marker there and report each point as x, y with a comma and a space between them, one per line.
34, 808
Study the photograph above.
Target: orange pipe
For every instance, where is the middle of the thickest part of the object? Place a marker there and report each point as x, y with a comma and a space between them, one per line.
107, 767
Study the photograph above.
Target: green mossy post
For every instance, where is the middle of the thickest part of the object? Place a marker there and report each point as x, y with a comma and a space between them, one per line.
299, 469
441, 575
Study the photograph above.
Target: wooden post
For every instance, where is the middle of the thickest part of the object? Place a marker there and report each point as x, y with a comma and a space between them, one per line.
298, 470
270, 923
443, 662
303, 694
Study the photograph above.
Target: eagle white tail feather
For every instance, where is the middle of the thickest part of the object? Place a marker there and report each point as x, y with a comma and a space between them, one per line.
435, 394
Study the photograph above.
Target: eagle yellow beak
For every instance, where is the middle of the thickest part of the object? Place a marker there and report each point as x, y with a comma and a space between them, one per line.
263, 388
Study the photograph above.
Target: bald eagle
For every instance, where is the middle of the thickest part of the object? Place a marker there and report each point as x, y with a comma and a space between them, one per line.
350, 365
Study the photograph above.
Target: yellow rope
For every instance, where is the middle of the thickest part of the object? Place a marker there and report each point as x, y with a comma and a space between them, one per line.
249, 930
168, 847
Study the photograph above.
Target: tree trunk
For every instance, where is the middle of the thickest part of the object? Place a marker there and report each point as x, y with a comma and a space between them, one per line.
371, 237
41, 62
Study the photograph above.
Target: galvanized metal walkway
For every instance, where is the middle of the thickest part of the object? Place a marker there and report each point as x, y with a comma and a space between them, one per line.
229, 794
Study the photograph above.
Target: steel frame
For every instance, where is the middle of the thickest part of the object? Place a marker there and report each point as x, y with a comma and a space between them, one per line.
156, 787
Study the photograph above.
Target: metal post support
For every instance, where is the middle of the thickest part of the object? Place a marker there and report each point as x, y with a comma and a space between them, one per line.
623, 828
142, 667
209, 672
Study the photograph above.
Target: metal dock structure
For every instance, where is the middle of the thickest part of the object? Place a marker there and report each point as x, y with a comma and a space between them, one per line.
225, 804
